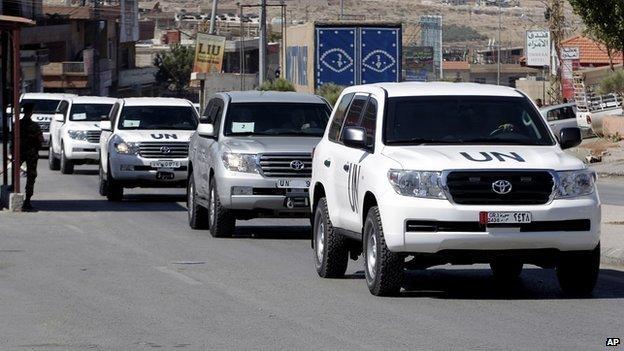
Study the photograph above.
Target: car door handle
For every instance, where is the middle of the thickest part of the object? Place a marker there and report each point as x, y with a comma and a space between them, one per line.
327, 163
346, 167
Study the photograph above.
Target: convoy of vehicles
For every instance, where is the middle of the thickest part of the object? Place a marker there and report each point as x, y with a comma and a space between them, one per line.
251, 157
422, 174
46, 106
75, 135
145, 144
409, 175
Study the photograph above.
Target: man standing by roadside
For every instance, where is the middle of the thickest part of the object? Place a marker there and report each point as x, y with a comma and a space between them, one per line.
31, 139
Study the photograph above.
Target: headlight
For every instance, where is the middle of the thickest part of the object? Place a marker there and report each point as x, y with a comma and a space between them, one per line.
421, 184
77, 134
127, 148
246, 163
575, 183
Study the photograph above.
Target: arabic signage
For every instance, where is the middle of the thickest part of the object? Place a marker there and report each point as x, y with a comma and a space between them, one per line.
570, 53
538, 48
419, 65
129, 21
209, 52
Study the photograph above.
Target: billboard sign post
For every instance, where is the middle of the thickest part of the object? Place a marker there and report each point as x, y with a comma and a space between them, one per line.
209, 53
538, 48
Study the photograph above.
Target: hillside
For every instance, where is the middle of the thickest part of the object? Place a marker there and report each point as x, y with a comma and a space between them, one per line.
483, 19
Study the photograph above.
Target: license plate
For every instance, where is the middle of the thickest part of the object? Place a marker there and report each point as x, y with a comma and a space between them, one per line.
293, 183
505, 217
165, 175
165, 164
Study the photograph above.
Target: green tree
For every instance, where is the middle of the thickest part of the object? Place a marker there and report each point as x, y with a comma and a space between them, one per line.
604, 20
330, 91
614, 83
175, 67
278, 84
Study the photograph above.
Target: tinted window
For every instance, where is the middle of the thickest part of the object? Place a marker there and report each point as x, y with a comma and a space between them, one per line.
276, 119
464, 120
89, 112
158, 117
42, 106
355, 111
336, 124
369, 121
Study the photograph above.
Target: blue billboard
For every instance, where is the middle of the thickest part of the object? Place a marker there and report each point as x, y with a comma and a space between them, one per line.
357, 55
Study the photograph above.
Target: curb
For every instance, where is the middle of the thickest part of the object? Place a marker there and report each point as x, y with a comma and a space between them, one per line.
612, 256
610, 174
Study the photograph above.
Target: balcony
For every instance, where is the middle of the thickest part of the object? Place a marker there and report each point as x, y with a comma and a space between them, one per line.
75, 74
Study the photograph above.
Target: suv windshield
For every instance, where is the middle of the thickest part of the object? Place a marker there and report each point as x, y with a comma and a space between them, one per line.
276, 119
89, 112
42, 106
464, 120
158, 117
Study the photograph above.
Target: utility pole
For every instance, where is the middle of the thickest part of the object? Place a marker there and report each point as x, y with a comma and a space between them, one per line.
341, 9
263, 43
556, 20
213, 18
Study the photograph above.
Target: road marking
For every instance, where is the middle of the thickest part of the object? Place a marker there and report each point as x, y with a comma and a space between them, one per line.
179, 276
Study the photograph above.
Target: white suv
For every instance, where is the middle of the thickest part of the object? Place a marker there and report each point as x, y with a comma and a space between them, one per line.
415, 175
145, 144
45, 107
75, 136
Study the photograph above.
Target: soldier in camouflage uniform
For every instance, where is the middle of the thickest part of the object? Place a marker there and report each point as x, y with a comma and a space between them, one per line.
31, 139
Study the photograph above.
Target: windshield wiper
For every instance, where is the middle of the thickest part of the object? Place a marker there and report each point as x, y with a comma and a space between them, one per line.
501, 141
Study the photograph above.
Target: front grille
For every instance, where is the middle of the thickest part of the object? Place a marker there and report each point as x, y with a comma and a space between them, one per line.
281, 165
475, 187
93, 136
163, 150
45, 126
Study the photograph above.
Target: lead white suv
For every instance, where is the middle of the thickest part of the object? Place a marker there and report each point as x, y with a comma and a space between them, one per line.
145, 144
415, 175
75, 136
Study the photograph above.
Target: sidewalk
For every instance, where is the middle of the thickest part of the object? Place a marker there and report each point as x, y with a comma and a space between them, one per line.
609, 154
612, 235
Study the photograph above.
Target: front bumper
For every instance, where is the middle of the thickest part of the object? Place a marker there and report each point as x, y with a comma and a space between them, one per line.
134, 170
265, 195
546, 233
77, 150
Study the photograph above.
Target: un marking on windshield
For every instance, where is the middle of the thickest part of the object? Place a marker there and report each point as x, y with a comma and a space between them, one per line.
490, 156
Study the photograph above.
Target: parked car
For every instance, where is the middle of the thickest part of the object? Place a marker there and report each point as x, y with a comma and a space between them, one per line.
252, 157
145, 144
75, 136
450, 173
560, 116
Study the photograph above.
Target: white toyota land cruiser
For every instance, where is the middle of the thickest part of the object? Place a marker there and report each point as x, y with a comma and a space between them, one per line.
75, 136
415, 175
145, 144
46, 107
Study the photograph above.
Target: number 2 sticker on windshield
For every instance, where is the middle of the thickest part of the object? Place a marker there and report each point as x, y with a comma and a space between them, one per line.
243, 127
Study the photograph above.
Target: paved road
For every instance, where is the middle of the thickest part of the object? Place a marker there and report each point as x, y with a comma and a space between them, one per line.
611, 191
85, 274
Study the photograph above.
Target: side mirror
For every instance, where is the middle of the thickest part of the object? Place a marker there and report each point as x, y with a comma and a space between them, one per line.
570, 137
106, 125
59, 117
206, 130
354, 137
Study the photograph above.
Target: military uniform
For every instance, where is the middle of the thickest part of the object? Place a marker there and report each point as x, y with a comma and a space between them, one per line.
31, 139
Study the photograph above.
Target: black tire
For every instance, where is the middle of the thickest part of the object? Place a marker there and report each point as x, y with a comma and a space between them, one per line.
67, 166
577, 272
197, 214
506, 270
114, 190
331, 253
384, 275
221, 221
103, 186
53, 162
